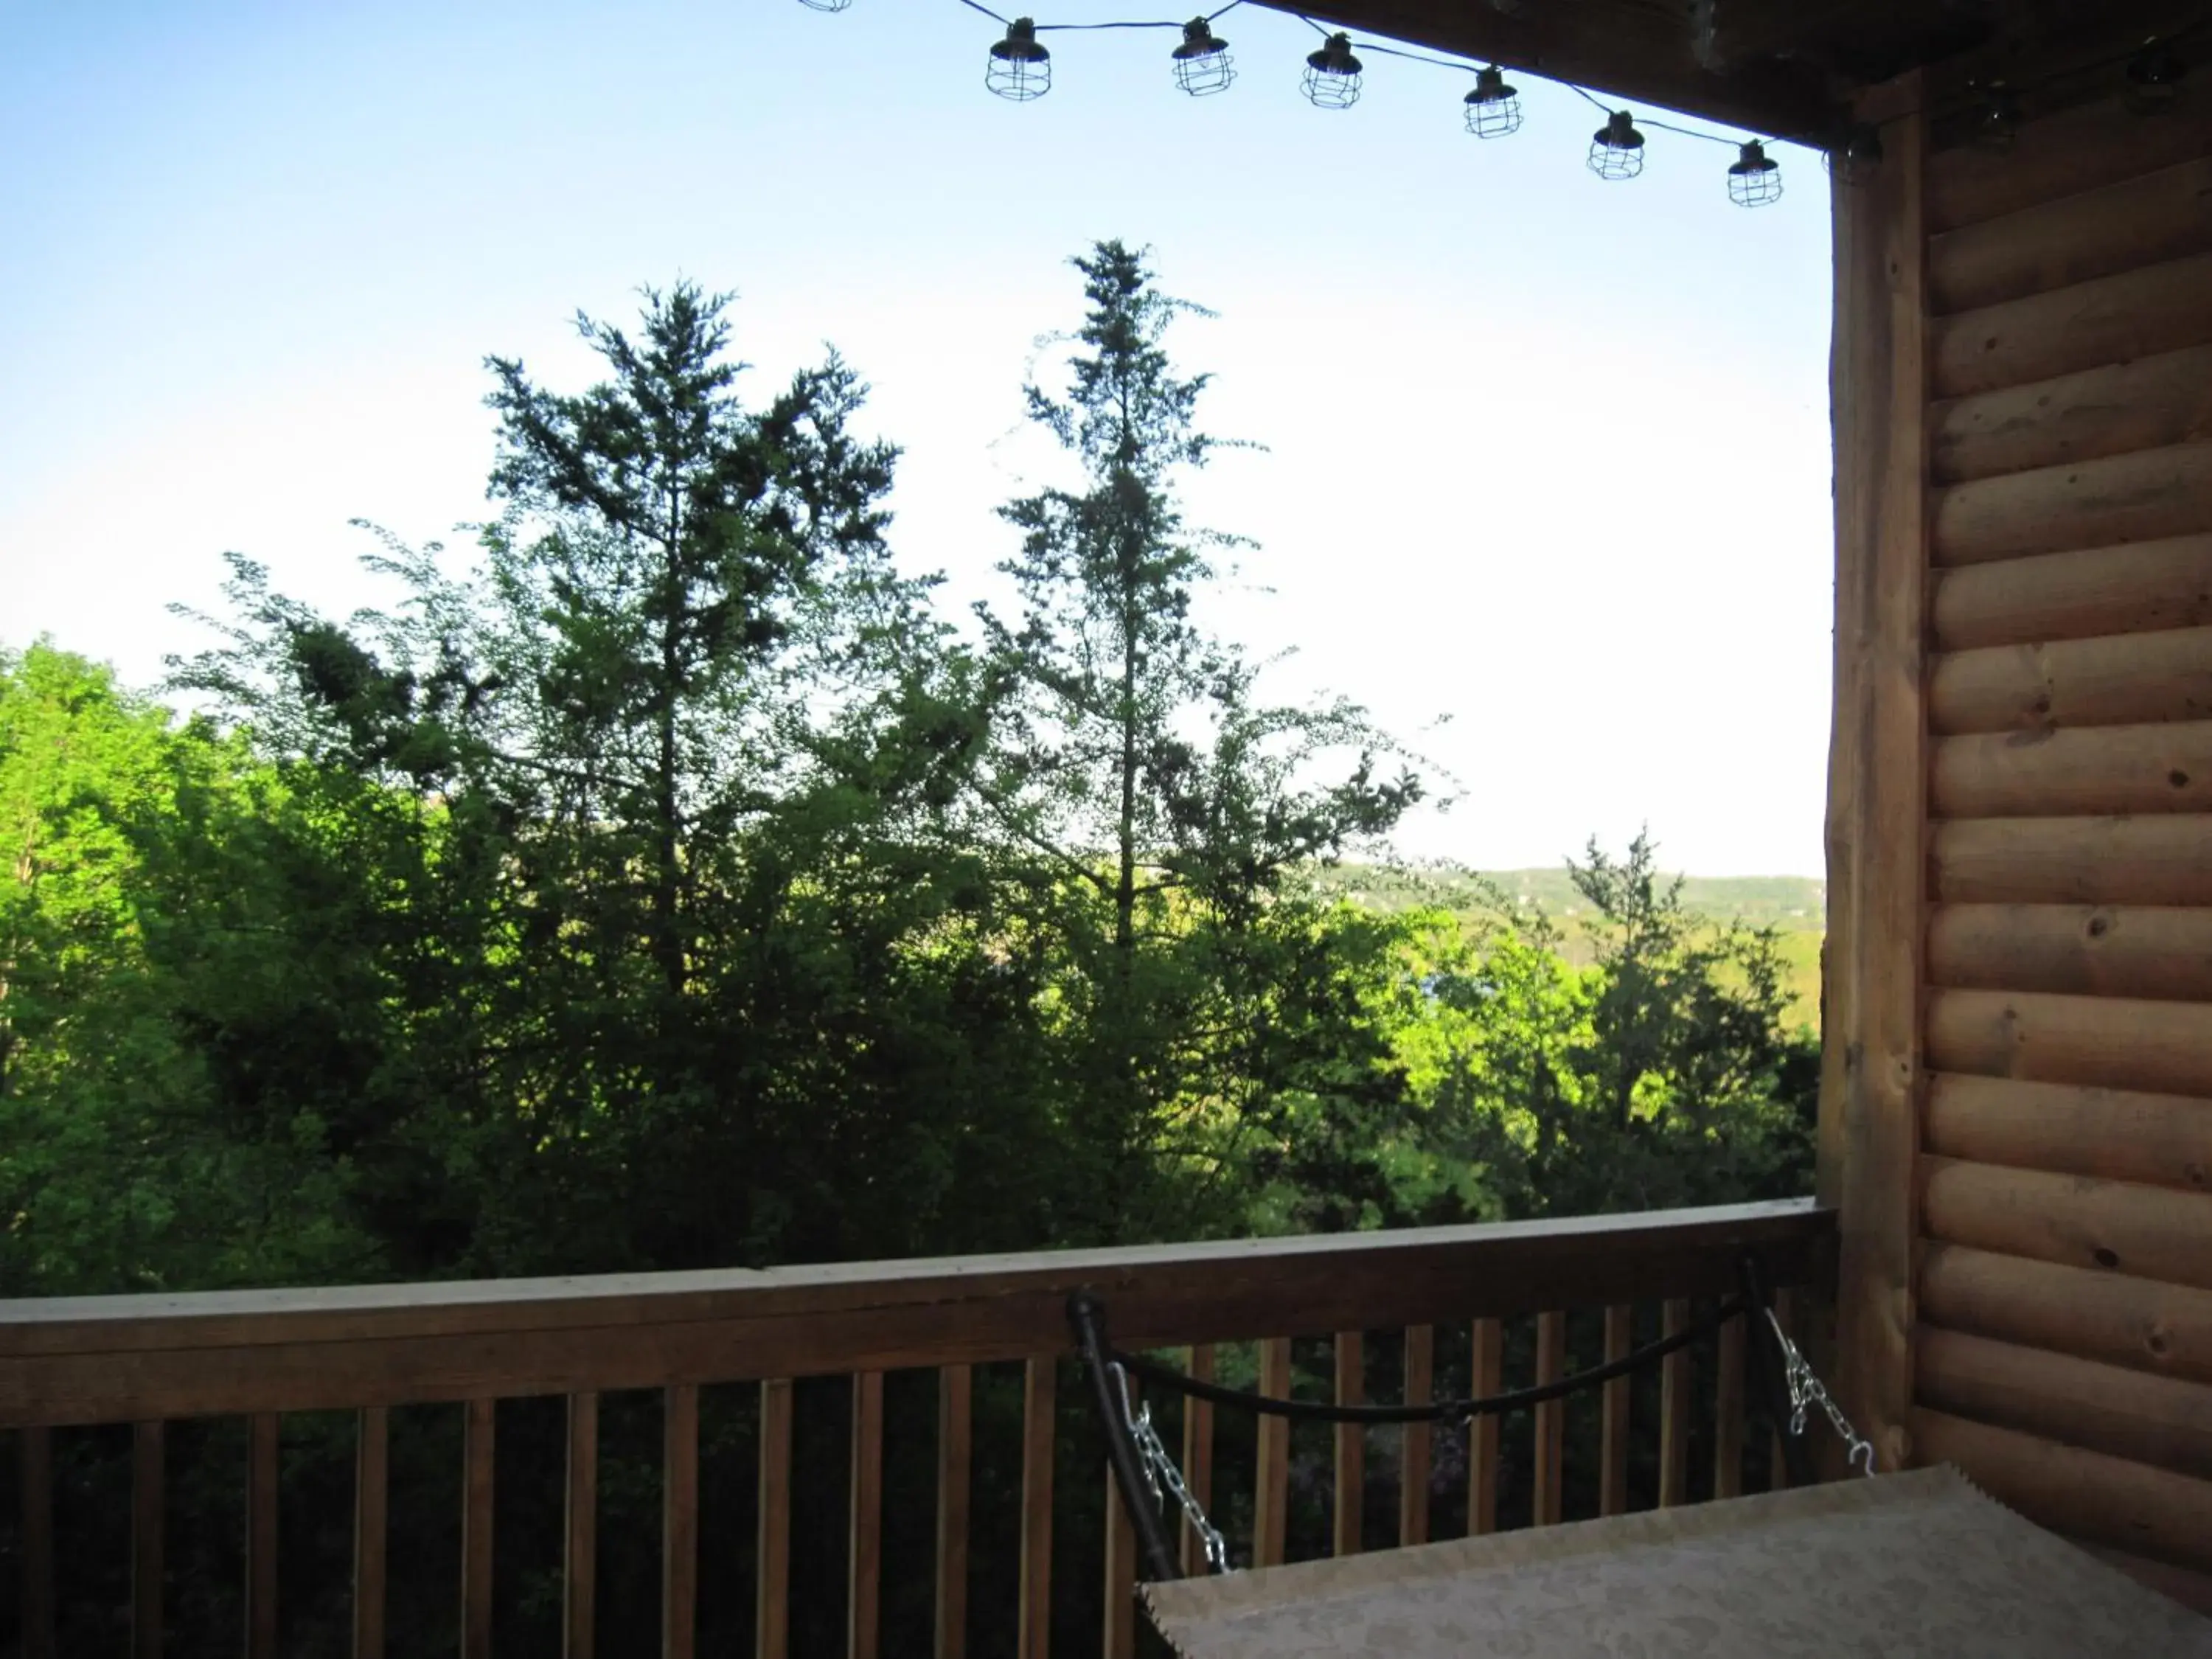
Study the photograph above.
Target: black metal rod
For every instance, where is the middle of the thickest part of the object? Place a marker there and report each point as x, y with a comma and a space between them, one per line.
1088, 1315
1765, 1354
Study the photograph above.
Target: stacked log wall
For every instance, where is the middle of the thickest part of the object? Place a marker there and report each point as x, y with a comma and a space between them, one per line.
2051, 1333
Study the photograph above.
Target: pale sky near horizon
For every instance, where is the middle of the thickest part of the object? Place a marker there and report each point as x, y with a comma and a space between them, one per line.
1547, 455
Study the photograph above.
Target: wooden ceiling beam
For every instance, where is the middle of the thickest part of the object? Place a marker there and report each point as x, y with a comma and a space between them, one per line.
1645, 56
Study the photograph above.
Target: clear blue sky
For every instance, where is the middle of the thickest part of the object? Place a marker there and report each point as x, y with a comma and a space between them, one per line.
1546, 455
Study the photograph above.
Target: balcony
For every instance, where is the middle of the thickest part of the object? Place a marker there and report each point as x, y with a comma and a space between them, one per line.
1551, 1294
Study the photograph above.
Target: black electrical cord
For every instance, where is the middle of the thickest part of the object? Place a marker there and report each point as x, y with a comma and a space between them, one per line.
1440, 1411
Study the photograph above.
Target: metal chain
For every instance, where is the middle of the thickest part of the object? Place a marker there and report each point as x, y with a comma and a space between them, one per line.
1805, 1390
1160, 1471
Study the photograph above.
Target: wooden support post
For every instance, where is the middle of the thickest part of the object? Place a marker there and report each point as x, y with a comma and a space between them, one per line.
772, 1580
1551, 1419
1197, 1457
371, 1513
1418, 1445
1728, 1413
148, 1503
679, 1522
1871, 1080
479, 1426
37, 1473
955, 1417
1486, 1369
264, 1462
1612, 1449
1351, 1470
580, 1569
1040, 1396
865, 1557
1675, 1412
1271, 1516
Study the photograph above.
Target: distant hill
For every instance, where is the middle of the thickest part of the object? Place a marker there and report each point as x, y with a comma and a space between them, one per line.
1794, 906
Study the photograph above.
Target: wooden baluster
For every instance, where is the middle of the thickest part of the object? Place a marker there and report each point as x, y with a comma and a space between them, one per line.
679, 1522
1728, 1413
1486, 1372
263, 1462
1351, 1444
479, 1433
1551, 1419
1612, 1450
147, 1504
579, 1573
865, 1557
1040, 1398
955, 1421
37, 1471
1784, 1308
1418, 1439
1197, 1457
1271, 1509
372, 1514
1674, 1412
1121, 1568
772, 1580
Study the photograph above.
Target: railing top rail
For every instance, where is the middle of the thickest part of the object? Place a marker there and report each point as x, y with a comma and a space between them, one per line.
112, 1359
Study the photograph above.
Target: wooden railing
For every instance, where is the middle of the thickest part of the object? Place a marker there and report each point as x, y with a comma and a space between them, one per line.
147, 1361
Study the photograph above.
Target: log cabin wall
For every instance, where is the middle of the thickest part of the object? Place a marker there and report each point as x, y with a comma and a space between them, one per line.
2017, 1111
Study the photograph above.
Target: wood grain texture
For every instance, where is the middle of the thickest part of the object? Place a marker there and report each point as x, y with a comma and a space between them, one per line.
1550, 1426
1487, 1364
1417, 1443
2151, 495
1614, 1417
2092, 1313
2157, 1048
2089, 594
2115, 409
479, 1428
2124, 679
34, 1492
2075, 1221
2137, 222
772, 1549
1271, 1502
864, 1555
2077, 860
2085, 148
956, 1431
1040, 1402
108, 1359
1348, 1488
579, 1567
2116, 1134
1729, 1411
2112, 1500
1869, 1135
372, 1528
2083, 949
679, 1522
2113, 769
1674, 1391
2159, 1420
265, 1464
148, 1514
2115, 319
1197, 1457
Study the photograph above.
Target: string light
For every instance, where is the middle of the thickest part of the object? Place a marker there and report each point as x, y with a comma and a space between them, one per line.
1201, 62
1616, 150
825, 5
1021, 69
1332, 77
1996, 123
1493, 108
1755, 178
2155, 78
